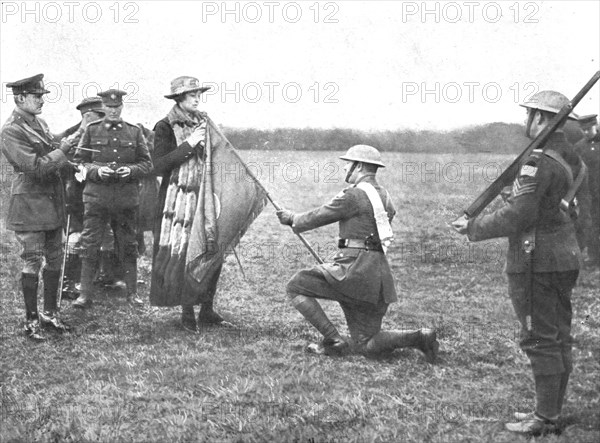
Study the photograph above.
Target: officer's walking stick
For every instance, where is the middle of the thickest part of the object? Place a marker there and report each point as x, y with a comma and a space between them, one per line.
64, 264
277, 207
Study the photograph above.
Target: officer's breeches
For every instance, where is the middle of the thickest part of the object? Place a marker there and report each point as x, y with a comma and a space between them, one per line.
549, 344
39, 245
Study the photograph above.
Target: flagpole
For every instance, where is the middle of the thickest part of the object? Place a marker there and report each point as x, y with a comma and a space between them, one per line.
273, 202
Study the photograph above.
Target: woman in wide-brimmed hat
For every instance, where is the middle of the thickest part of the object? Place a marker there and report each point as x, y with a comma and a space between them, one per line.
177, 138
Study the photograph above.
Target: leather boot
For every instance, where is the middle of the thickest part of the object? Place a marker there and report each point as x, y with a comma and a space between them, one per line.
88, 270
29, 285
72, 277
429, 345
332, 343
207, 314
50, 317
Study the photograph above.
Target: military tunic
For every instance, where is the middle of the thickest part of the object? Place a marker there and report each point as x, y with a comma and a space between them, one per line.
36, 207
360, 279
534, 206
114, 199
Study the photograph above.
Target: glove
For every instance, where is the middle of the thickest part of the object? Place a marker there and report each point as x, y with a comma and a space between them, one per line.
65, 145
123, 171
105, 172
285, 217
196, 137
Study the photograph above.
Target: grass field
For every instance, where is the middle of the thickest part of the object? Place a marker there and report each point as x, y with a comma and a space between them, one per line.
136, 375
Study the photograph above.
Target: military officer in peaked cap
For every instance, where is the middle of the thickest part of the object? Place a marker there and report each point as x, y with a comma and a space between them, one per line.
543, 259
36, 207
111, 192
588, 149
359, 278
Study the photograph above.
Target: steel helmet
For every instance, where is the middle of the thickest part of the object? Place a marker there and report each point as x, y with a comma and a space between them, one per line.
363, 154
549, 101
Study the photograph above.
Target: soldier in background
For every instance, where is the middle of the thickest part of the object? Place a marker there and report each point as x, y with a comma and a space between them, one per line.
588, 149
36, 207
543, 260
91, 110
359, 278
111, 192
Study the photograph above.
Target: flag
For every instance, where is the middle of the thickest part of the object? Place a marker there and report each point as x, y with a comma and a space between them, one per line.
213, 203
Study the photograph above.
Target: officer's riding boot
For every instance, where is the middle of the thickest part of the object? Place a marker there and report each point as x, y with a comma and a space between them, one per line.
50, 317
386, 341
333, 343
88, 270
29, 285
131, 282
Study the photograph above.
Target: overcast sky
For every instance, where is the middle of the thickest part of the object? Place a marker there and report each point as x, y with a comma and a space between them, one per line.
366, 65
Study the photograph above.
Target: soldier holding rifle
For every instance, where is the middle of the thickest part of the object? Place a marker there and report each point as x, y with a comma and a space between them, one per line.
36, 209
111, 192
543, 258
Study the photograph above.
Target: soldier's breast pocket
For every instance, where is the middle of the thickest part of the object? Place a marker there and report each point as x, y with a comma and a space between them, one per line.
127, 151
103, 145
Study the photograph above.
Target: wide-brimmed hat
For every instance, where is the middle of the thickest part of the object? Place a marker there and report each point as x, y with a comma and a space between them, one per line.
184, 84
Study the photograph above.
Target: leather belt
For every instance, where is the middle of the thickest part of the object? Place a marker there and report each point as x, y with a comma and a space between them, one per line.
358, 244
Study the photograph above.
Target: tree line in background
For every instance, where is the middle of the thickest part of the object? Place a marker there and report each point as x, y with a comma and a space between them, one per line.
500, 138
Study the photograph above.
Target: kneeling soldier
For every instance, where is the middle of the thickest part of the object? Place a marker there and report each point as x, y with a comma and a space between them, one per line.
360, 278
111, 192
36, 208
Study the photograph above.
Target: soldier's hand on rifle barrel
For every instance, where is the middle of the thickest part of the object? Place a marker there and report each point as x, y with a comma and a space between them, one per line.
285, 217
461, 224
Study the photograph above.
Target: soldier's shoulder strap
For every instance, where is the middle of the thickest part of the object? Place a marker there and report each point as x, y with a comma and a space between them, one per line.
574, 184
384, 229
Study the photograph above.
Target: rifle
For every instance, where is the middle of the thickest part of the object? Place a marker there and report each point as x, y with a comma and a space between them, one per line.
509, 174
